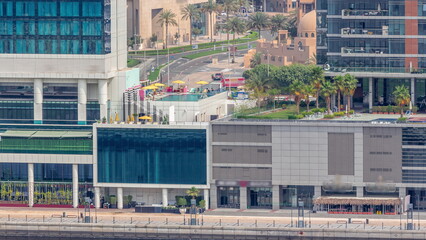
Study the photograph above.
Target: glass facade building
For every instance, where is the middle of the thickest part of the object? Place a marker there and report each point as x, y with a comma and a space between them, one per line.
55, 27
155, 156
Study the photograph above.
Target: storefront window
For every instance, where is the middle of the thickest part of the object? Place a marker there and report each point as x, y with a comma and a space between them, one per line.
260, 197
228, 197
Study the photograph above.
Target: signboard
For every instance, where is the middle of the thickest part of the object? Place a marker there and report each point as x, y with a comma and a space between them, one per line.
195, 46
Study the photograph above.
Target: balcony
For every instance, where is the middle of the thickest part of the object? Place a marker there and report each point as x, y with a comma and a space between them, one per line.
365, 32
365, 13
364, 50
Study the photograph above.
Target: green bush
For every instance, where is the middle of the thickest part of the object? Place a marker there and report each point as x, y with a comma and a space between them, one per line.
181, 201
284, 106
316, 110
351, 112
389, 109
202, 204
375, 109
402, 120
300, 116
113, 199
290, 117
338, 114
328, 116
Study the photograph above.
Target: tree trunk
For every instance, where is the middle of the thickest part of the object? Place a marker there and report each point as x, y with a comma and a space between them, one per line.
227, 32
298, 105
328, 105
258, 30
349, 102
190, 31
317, 98
167, 31
402, 110
233, 48
307, 104
211, 27
338, 100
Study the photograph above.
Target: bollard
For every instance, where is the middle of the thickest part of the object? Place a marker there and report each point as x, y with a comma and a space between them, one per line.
8, 217
149, 220
184, 220
96, 219
255, 223
61, 218
43, 218
328, 224
238, 222
382, 225
220, 222
167, 221
310, 224
131, 220
364, 225
273, 223
113, 220
202, 220
26, 218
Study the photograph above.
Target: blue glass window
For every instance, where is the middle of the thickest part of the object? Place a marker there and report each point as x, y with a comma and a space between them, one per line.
6, 46
6, 8
6, 27
47, 28
13, 172
25, 28
157, 156
48, 46
52, 172
92, 28
92, 46
47, 8
25, 9
70, 28
25, 46
70, 46
69, 9
92, 9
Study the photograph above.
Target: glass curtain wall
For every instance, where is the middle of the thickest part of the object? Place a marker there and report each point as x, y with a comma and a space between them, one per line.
14, 183
55, 27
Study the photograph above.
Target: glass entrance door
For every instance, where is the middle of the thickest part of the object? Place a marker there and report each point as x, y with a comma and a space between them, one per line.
228, 197
260, 197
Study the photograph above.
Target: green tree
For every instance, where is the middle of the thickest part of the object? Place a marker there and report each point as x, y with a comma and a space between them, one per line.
196, 32
292, 24
327, 90
210, 7
153, 38
278, 22
235, 25
339, 82
350, 83
191, 12
229, 6
308, 90
256, 60
317, 80
402, 97
193, 192
296, 89
167, 18
258, 85
258, 21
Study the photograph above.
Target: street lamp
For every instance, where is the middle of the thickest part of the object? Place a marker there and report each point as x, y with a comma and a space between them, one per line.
268, 60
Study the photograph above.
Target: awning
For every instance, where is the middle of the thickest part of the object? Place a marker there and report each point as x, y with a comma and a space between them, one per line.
22, 134
48, 134
72, 134
357, 201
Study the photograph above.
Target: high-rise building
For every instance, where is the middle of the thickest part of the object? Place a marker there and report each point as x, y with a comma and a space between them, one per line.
62, 61
381, 42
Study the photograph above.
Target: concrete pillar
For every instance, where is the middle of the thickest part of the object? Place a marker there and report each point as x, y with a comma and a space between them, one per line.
413, 92
264, 5
165, 197
360, 191
213, 196
206, 198
38, 101
103, 98
402, 192
275, 197
120, 198
75, 185
97, 197
30, 185
317, 191
82, 101
370, 94
243, 197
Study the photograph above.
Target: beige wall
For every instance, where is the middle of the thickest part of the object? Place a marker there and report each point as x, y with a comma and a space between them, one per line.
143, 10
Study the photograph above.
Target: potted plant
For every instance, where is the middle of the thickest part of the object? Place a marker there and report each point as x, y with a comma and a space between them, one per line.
202, 205
389, 109
182, 205
104, 120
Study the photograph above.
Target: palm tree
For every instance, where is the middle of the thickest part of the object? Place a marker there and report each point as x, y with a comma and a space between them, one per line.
307, 91
296, 89
241, 3
292, 23
190, 12
258, 21
167, 17
350, 84
339, 82
402, 97
193, 192
256, 60
317, 79
327, 90
258, 85
278, 22
210, 7
235, 25
229, 6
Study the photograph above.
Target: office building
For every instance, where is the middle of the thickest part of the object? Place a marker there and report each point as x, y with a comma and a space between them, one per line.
62, 61
380, 42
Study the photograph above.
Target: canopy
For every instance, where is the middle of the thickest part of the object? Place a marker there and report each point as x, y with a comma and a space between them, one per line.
357, 201
158, 85
145, 118
150, 87
178, 82
24, 134
46, 134
202, 82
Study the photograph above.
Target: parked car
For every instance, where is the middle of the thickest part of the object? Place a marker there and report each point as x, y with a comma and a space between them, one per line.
217, 76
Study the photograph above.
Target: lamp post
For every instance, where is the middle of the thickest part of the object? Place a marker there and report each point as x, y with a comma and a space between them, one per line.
268, 60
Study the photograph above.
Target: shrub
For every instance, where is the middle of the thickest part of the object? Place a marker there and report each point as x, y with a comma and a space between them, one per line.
316, 110
181, 202
292, 117
389, 109
402, 120
284, 106
338, 114
351, 112
202, 204
329, 116
375, 108
300, 116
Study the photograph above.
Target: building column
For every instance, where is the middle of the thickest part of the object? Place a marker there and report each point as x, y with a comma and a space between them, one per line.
370, 94
413, 92
38, 101
317, 191
213, 196
30, 184
360, 191
275, 197
82, 101
97, 197
75, 185
103, 98
120, 198
264, 5
243, 197
402, 192
165, 197
206, 198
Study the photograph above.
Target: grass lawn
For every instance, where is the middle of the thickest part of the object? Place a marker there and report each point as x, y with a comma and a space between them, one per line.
279, 114
248, 38
202, 54
132, 62
154, 75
